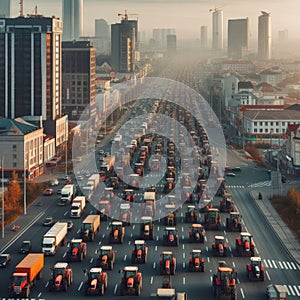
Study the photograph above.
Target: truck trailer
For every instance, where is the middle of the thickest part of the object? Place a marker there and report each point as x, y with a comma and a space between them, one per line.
25, 275
77, 207
67, 193
55, 237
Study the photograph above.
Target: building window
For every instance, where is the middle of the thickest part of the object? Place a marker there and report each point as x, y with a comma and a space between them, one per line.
14, 165
266, 123
261, 130
277, 123
283, 123
14, 156
266, 129
255, 123
255, 129
261, 123
277, 130
271, 123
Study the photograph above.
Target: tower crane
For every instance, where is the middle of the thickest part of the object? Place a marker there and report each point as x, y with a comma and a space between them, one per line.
215, 9
125, 15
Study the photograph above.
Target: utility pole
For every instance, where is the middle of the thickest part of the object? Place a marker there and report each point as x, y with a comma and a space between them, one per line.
2, 215
24, 192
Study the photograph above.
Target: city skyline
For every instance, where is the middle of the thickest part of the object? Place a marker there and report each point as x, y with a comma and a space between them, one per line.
186, 17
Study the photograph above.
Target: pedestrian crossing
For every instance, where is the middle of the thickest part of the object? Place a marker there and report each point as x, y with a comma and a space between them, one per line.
260, 184
283, 265
235, 186
293, 290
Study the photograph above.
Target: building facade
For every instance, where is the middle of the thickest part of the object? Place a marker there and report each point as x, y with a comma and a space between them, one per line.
79, 71
217, 30
73, 19
238, 38
5, 9
171, 44
264, 36
123, 45
203, 37
30, 67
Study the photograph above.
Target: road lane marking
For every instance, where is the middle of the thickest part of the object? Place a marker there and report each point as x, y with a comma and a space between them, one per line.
182, 229
154, 264
99, 243
151, 280
107, 227
293, 265
208, 260
206, 248
115, 290
96, 251
265, 263
125, 257
280, 265
267, 273
155, 248
211, 279
133, 226
157, 238
46, 285
157, 228
131, 235
224, 230
238, 280
227, 240
103, 235
182, 246
39, 295
246, 229
284, 264
269, 263
183, 265
183, 280
287, 290
183, 255
79, 288
242, 292
78, 231
64, 254
90, 212
297, 292
233, 264
275, 266
182, 237
289, 265
129, 242
292, 291
91, 260
66, 213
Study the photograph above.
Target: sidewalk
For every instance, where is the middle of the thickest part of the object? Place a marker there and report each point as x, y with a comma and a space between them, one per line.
286, 236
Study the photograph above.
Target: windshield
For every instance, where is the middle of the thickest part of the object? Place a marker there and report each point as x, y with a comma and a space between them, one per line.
167, 256
130, 274
225, 274
19, 279
47, 245
59, 271
86, 226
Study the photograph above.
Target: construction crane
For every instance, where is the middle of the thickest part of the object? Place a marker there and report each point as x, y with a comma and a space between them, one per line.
21, 8
215, 9
125, 15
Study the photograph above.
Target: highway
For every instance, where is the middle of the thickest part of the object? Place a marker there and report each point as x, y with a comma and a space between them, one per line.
279, 266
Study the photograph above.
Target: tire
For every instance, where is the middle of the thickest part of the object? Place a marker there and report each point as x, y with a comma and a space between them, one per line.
81, 256
262, 276
93, 236
203, 268
145, 258
65, 286
111, 265
250, 275
102, 289
27, 292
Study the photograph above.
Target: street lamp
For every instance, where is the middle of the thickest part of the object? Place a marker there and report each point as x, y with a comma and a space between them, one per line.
24, 192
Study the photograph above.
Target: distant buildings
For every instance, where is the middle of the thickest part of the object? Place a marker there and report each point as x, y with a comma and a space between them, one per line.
72, 19
123, 45
171, 44
264, 36
160, 37
102, 36
203, 37
30, 67
5, 9
78, 73
217, 29
238, 38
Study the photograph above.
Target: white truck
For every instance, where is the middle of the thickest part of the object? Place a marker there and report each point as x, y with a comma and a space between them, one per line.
77, 207
93, 181
55, 237
67, 193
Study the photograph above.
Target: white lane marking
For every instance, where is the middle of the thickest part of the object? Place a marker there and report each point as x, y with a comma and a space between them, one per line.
155, 248
265, 263
107, 227
64, 254
182, 246
46, 285
183, 280
133, 226
242, 292
39, 295
287, 290
243, 221
208, 260
91, 260
275, 266
125, 257
238, 280
285, 265
205, 238
157, 228
182, 229
90, 212
183, 265
78, 231
298, 266
233, 264
280, 265
270, 264
96, 251
293, 265
103, 235
99, 243
211, 279
129, 242
291, 289
297, 292
131, 235
224, 230
227, 240
157, 238
68, 244
115, 290
183, 255
246, 229
80, 286
267, 273
65, 213
154, 264
206, 248
151, 280
290, 267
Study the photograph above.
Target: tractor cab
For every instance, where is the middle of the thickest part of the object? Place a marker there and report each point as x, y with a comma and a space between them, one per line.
134, 181
212, 219
108, 193
256, 268
129, 195
139, 169
197, 233
233, 223
196, 262
170, 219
170, 237
146, 229
125, 214
169, 185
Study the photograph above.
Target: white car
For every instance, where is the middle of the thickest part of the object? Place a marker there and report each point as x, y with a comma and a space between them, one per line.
230, 174
54, 182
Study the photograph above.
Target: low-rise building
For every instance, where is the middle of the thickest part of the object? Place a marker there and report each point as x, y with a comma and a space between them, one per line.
293, 148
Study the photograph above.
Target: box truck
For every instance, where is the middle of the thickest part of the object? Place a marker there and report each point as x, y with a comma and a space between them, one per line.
77, 207
68, 193
90, 226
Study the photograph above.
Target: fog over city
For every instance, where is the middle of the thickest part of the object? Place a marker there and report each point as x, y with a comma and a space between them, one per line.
186, 16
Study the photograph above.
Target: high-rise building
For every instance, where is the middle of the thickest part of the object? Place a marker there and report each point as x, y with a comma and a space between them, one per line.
238, 37
102, 36
264, 36
217, 29
203, 37
30, 67
171, 44
78, 73
123, 45
5, 9
73, 19
283, 37
160, 37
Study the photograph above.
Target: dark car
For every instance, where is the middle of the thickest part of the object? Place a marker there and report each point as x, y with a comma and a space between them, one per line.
25, 247
48, 221
5, 259
236, 169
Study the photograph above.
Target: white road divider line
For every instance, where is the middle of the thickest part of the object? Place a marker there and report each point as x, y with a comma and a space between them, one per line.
154, 265
205, 238
115, 290
265, 263
64, 254
183, 255
238, 280
297, 292
65, 213
208, 260
155, 248
133, 226
211, 279
183, 237
288, 291
293, 265
125, 257
78, 231
182, 246
103, 235
91, 260
39, 295
224, 230
280, 265
270, 264
267, 273
151, 280
182, 229
206, 248
285, 265
183, 280
79, 288
157, 238
183, 265
99, 243
242, 292
291, 289
157, 228
233, 264
227, 240
46, 285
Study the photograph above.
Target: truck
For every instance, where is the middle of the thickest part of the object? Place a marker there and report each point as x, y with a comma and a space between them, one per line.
25, 275
55, 237
67, 193
106, 166
94, 180
77, 207
276, 292
90, 226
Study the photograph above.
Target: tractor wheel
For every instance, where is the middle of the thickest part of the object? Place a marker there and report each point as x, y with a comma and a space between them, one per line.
250, 275
111, 265
27, 291
233, 293
262, 276
173, 270
138, 290
145, 258
81, 256
101, 289
203, 268
65, 283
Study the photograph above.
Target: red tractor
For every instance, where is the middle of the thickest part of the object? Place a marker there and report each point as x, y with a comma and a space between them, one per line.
106, 258
167, 263
169, 185
146, 228
219, 247
129, 195
255, 270
224, 284
78, 250
139, 254
125, 214
62, 277
96, 284
170, 237
245, 245
117, 232
191, 215
212, 220
196, 262
197, 233
234, 223
131, 283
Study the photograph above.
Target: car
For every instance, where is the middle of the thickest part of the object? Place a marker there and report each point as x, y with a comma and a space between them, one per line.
227, 169
58, 192
79, 177
101, 152
236, 169
48, 221
54, 182
25, 247
5, 259
48, 192
230, 174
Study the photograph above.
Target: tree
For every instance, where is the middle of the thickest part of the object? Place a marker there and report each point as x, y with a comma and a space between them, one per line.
14, 192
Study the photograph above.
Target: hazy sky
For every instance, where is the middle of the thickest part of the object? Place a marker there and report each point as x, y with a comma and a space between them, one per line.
186, 16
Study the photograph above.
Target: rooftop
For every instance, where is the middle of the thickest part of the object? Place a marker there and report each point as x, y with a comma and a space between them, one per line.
16, 127
283, 115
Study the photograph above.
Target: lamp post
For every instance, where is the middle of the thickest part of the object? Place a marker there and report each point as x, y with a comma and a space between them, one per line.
24, 192
2, 214
66, 155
